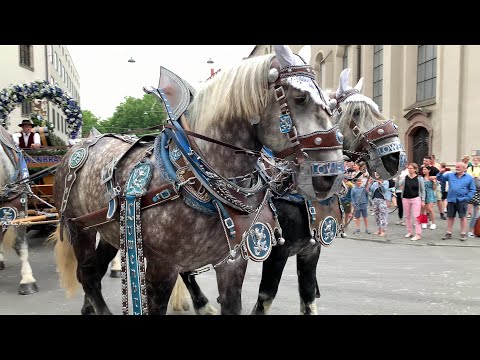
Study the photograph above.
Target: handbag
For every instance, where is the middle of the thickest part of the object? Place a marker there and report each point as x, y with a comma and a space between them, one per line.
422, 219
476, 229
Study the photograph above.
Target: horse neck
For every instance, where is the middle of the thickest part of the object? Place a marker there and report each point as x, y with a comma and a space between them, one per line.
223, 159
6, 168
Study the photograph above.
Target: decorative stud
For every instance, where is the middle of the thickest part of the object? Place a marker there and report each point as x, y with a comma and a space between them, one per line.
380, 131
332, 103
318, 141
281, 241
272, 75
231, 261
339, 137
312, 241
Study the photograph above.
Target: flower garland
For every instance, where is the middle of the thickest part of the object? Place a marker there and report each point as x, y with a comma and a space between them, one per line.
15, 94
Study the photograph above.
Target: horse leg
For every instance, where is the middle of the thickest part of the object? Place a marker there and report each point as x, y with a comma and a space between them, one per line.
92, 266
160, 279
307, 281
28, 284
272, 270
230, 280
201, 304
116, 268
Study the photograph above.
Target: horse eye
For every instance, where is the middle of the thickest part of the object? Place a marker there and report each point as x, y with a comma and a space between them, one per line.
356, 112
301, 99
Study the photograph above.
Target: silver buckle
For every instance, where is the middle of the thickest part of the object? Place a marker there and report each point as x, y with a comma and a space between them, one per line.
282, 96
229, 223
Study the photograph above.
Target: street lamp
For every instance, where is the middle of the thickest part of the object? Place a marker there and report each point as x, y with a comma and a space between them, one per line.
131, 60
212, 71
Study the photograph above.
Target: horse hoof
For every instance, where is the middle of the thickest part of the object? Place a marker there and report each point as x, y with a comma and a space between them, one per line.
28, 289
115, 273
2, 265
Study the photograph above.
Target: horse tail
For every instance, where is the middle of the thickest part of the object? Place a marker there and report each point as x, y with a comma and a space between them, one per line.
179, 297
9, 237
66, 261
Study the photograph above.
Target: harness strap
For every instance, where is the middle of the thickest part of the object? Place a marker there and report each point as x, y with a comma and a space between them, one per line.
75, 163
319, 140
152, 198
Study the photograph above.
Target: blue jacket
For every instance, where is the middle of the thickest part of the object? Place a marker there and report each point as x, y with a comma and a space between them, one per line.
359, 197
459, 189
384, 189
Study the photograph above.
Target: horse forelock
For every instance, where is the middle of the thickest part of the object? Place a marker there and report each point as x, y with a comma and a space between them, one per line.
367, 116
239, 92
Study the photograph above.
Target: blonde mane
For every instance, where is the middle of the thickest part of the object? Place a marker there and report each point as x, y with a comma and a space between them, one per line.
236, 93
368, 117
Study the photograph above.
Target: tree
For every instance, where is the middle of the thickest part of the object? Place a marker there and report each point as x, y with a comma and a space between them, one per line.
136, 114
90, 120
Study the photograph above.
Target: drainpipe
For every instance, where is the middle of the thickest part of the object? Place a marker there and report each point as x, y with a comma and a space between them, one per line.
47, 79
359, 61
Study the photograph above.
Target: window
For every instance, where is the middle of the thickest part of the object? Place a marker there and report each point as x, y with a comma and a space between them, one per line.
56, 61
58, 121
26, 108
26, 56
53, 121
345, 57
52, 80
426, 72
378, 75
50, 52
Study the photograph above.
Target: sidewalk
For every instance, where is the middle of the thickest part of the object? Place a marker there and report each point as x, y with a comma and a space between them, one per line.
396, 233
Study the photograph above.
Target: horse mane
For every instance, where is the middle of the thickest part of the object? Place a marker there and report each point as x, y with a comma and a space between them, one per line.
6, 166
239, 92
367, 112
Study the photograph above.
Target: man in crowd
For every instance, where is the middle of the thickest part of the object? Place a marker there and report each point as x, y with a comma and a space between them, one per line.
461, 189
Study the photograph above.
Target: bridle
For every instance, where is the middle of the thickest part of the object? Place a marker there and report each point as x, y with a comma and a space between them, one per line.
368, 148
326, 140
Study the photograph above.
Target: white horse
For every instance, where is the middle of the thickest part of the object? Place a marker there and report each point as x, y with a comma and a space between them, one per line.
13, 236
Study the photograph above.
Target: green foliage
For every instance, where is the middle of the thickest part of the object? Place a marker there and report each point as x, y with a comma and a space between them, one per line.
54, 140
135, 113
89, 121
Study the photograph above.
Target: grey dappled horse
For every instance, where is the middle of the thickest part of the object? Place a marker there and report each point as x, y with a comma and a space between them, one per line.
14, 236
353, 110
176, 237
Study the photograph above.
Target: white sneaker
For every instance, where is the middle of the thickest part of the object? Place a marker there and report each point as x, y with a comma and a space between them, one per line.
433, 226
424, 226
470, 234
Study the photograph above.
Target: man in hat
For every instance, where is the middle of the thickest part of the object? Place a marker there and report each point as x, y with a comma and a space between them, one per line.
26, 139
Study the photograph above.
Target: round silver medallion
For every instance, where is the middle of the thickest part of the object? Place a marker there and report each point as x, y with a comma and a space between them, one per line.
318, 141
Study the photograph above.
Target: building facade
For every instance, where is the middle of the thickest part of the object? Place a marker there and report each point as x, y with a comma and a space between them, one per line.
429, 90
28, 63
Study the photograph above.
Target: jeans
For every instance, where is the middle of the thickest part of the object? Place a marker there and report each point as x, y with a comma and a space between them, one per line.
475, 216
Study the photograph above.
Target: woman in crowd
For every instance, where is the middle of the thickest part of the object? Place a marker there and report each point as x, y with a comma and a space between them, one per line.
430, 183
413, 198
380, 193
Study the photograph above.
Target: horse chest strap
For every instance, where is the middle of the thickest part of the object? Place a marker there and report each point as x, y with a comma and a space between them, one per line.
131, 242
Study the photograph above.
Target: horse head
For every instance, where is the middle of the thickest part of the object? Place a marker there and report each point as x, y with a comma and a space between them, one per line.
366, 129
295, 124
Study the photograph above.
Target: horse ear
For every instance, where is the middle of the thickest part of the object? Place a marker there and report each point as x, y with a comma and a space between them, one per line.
306, 53
344, 75
359, 84
284, 55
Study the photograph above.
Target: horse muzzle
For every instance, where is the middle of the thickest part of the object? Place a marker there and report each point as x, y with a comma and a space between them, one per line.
319, 180
387, 160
